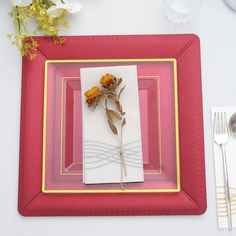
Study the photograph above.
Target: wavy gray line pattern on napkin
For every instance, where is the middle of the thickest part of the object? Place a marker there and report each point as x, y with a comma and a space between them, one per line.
115, 149
102, 154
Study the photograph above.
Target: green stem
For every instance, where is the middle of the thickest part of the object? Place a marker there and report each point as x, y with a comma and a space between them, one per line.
18, 21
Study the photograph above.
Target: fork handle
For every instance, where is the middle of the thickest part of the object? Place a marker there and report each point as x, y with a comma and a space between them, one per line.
226, 186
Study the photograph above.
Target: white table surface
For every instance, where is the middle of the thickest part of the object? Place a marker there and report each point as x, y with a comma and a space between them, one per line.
215, 24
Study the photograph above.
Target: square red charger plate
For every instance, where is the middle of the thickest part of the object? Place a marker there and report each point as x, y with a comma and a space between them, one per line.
190, 194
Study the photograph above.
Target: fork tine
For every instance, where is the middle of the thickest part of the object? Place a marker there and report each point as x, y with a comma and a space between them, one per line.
214, 124
218, 122
225, 123
224, 127
221, 123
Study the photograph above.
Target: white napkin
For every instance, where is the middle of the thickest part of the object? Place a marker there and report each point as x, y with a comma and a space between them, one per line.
231, 163
101, 152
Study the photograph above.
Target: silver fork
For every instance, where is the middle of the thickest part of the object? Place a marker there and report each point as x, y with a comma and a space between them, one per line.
221, 137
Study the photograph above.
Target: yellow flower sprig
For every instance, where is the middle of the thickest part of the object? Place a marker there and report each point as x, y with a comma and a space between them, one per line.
46, 25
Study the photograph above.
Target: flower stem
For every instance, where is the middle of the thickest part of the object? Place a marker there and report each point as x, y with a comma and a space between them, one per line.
122, 158
18, 20
17, 25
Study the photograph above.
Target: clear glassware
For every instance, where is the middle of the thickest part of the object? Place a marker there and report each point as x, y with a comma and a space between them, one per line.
180, 11
63, 159
231, 4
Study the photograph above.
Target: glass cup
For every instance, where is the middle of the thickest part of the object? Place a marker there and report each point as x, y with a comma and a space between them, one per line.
180, 11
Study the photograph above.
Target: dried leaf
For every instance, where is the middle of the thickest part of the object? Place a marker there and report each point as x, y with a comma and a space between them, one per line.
91, 104
118, 106
107, 92
123, 122
119, 82
113, 127
115, 114
96, 102
94, 105
122, 89
113, 97
109, 115
106, 103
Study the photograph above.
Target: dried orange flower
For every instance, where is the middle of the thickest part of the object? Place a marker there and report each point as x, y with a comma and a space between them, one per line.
115, 114
92, 94
107, 80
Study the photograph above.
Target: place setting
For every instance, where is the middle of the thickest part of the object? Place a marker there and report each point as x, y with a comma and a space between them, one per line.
112, 125
224, 134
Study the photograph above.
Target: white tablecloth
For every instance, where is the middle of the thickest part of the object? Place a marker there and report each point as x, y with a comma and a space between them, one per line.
215, 25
